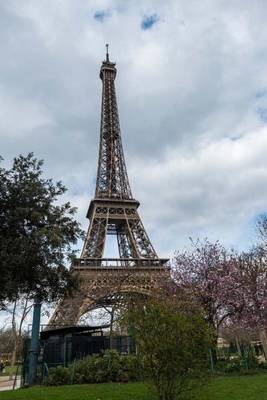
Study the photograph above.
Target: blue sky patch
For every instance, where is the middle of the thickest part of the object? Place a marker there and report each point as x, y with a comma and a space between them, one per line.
101, 15
262, 112
261, 93
148, 21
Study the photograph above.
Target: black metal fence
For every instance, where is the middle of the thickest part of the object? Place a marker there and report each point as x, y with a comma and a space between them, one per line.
64, 350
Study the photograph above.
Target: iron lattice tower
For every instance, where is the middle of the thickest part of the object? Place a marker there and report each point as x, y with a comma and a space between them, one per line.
112, 211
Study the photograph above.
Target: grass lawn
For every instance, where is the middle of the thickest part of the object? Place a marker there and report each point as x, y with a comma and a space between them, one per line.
10, 371
246, 387
224, 388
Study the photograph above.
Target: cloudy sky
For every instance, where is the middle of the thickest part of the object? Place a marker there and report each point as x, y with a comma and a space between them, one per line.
192, 94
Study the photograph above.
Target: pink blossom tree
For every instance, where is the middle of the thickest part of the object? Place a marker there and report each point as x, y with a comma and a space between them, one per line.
204, 271
231, 288
249, 273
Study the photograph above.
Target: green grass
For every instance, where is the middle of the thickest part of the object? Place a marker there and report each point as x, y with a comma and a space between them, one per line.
105, 391
10, 371
252, 387
246, 387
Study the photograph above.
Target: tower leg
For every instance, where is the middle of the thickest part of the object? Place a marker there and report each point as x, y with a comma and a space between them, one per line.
67, 312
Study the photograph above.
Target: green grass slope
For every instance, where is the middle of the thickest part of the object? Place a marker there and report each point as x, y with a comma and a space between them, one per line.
246, 387
224, 388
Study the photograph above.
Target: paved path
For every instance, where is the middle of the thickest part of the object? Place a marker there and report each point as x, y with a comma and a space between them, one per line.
7, 384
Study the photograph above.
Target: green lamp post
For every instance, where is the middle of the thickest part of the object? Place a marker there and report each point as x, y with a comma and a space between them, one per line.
34, 346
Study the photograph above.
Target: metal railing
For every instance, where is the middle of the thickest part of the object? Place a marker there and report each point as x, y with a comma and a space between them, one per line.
80, 263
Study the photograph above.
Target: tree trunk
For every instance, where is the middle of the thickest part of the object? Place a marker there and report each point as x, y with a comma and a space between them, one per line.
14, 356
15, 339
111, 327
17, 330
263, 339
214, 345
238, 346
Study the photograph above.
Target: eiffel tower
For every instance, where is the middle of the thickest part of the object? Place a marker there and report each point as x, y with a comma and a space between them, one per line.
113, 211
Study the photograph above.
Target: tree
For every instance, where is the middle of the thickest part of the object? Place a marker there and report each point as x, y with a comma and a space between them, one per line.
18, 310
249, 272
173, 339
261, 228
230, 287
37, 234
6, 340
204, 272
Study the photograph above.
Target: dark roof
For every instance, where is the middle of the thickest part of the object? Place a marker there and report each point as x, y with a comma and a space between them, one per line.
71, 329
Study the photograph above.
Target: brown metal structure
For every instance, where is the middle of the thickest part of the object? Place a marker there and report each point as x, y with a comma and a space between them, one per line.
113, 211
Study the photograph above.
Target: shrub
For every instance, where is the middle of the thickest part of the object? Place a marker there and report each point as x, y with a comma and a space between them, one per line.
109, 367
263, 365
248, 362
85, 370
235, 365
251, 360
173, 339
58, 376
133, 366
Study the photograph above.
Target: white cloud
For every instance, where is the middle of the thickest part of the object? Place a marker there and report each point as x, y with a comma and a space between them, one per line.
193, 122
18, 117
214, 190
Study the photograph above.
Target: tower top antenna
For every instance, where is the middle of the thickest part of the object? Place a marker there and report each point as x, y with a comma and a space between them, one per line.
107, 55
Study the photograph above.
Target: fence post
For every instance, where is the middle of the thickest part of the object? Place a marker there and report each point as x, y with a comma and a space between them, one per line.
72, 372
211, 361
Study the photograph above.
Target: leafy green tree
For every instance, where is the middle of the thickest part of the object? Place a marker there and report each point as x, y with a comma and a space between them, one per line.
37, 233
6, 340
173, 338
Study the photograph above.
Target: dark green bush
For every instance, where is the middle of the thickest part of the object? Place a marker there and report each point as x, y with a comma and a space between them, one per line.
133, 366
235, 365
85, 370
58, 376
109, 367
263, 365
251, 361
248, 362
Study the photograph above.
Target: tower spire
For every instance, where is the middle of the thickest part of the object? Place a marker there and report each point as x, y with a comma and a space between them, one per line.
107, 55
112, 179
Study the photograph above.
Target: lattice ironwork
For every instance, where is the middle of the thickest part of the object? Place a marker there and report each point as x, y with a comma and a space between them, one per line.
112, 179
124, 222
113, 211
99, 285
